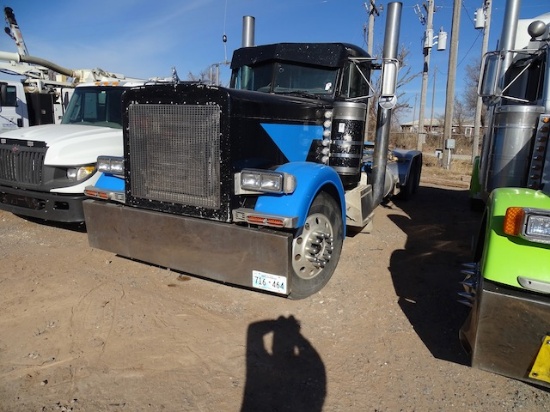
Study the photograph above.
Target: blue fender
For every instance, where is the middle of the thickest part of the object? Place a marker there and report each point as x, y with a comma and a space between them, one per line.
310, 178
110, 182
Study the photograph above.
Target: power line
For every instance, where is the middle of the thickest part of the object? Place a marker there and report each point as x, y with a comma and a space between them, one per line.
470, 49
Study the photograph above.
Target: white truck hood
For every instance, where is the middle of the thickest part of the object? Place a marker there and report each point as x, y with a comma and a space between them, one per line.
71, 144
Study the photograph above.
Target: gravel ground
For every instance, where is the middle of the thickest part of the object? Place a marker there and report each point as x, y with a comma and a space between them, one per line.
85, 330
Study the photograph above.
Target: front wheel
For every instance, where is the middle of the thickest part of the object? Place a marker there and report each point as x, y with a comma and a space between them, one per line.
316, 247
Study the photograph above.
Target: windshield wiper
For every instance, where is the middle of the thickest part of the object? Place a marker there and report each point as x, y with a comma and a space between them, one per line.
300, 93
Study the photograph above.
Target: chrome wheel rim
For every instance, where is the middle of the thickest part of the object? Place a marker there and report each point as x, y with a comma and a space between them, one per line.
312, 249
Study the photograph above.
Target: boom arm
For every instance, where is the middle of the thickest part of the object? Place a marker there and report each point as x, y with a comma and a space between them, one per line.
36, 67
14, 32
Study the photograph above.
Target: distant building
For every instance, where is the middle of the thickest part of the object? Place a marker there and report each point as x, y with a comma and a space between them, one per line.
412, 127
467, 128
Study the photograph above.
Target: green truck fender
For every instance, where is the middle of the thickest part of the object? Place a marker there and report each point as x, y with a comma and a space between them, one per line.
504, 257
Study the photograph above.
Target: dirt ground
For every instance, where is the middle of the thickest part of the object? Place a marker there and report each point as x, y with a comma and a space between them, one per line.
85, 330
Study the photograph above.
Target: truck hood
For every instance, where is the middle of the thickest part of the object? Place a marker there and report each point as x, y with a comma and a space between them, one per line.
70, 144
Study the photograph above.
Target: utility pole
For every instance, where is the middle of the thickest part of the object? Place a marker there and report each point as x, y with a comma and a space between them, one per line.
451, 80
479, 103
427, 47
414, 111
433, 101
373, 12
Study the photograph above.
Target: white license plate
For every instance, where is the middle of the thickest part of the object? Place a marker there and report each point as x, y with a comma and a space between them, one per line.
269, 282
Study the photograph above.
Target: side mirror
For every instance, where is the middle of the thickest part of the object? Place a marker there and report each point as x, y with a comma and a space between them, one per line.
390, 70
3, 93
65, 100
490, 69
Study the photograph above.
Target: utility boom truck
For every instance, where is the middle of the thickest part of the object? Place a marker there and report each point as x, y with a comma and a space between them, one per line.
42, 94
45, 168
254, 184
508, 285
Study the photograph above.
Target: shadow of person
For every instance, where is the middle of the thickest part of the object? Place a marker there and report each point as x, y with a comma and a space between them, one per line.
283, 370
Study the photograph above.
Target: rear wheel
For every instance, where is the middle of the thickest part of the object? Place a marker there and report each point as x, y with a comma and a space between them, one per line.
316, 247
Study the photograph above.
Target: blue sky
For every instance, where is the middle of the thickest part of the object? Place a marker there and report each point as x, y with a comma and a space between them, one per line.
141, 38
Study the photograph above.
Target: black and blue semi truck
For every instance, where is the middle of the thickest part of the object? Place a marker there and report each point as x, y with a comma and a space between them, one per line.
254, 184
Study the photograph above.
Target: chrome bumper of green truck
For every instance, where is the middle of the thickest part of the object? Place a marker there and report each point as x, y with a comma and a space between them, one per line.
506, 333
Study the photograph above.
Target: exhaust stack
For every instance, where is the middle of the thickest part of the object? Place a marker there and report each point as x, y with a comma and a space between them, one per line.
249, 28
386, 102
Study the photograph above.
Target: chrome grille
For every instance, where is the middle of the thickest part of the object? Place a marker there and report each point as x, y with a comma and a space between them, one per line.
21, 164
175, 153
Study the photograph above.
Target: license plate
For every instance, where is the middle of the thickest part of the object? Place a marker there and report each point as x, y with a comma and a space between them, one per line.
541, 367
269, 282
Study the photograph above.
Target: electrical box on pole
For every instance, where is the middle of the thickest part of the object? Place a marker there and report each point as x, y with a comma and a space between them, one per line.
480, 19
441, 40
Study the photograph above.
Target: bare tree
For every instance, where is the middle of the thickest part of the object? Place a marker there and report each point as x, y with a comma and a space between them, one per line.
205, 76
461, 113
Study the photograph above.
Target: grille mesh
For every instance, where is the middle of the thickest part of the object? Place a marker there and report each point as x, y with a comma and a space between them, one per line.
21, 164
175, 153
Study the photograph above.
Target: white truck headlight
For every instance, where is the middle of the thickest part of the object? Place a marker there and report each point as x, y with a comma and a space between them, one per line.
80, 173
111, 165
251, 180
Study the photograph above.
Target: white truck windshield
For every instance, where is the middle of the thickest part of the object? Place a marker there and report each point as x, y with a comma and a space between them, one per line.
98, 106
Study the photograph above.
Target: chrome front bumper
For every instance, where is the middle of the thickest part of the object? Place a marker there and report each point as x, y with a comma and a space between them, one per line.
505, 329
219, 251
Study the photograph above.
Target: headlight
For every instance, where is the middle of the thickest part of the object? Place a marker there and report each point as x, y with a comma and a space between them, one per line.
530, 224
112, 165
538, 226
80, 173
265, 181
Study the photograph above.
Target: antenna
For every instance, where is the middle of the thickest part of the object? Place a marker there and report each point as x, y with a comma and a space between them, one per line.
224, 37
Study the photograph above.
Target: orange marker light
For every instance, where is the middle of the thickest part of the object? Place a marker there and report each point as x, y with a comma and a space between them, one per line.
265, 221
513, 221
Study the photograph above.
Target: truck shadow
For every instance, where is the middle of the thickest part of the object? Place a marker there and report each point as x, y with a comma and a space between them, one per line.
75, 227
284, 372
440, 228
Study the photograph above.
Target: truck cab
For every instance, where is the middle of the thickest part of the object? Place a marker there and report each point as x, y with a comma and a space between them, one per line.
253, 184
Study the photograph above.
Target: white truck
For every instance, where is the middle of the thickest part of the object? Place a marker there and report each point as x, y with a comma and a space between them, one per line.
44, 169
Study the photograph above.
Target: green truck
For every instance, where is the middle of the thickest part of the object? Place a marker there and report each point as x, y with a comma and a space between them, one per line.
508, 284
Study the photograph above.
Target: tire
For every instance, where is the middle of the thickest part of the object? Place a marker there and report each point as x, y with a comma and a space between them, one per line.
477, 205
316, 247
417, 174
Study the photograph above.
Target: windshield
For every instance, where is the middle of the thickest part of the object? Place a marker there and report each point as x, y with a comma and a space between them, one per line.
525, 79
97, 106
285, 78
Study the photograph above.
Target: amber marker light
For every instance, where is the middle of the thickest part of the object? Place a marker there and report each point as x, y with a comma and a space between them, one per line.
267, 221
513, 221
